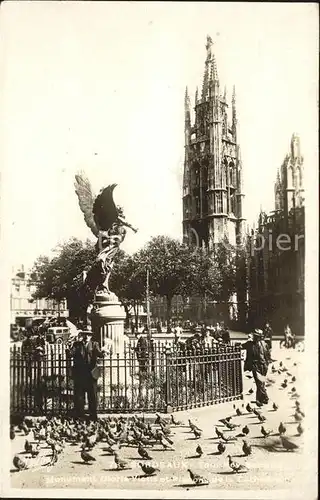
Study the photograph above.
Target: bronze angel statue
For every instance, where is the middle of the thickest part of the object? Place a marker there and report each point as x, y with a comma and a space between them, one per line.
107, 222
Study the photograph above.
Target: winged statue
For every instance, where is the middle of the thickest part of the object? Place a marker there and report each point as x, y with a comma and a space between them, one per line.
107, 222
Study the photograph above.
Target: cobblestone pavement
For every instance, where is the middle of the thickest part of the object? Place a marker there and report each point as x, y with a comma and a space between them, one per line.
270, 466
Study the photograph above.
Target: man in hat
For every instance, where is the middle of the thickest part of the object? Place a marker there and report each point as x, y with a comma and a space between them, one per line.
257, 361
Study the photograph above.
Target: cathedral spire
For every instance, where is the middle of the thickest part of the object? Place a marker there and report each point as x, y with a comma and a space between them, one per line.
234, 114
187, 106
210, 72
196, 97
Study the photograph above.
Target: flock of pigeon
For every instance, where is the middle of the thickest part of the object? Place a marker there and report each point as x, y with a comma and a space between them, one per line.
116, 433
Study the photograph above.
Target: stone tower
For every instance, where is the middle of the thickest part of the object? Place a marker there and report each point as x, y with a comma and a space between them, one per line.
289, 191
212, 182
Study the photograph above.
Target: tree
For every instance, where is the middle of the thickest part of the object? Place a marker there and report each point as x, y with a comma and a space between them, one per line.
170, 265
127, 281
62, 276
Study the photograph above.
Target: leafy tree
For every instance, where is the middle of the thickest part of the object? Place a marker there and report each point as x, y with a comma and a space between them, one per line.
171, 268
62, 276
128, 282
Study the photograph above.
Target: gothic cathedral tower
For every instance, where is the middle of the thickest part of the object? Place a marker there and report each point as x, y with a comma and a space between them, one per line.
212, 182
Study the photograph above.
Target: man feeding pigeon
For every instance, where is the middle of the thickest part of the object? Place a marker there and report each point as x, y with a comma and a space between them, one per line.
257, 361
85, 353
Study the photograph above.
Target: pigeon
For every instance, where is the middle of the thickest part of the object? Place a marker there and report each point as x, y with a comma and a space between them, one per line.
12, 432
19, 463
197, 433
282, 429
159, 420
293, 389
250, 391
287, 444
284, 385
27, 446
148, 469
238, 412
225, 421
143, 453
245, 430
298, 416
120, 463
248, 408
54, 458
193, 426
175, 422
246, 448
231, 426
197, 479
275, 407
265, 432
261, 418
221, 447
219, 433
35, 450
86, 457
300, 429
199, 450
258, 404
236, 467
293, 379
256, 412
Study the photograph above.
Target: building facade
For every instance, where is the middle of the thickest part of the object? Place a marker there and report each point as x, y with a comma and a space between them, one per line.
212, 181
276, 252
22, 305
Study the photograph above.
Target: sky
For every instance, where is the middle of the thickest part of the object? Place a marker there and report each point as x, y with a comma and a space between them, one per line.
100, 87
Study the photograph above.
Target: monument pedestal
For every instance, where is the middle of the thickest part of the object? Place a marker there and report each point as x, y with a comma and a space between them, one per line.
107, 320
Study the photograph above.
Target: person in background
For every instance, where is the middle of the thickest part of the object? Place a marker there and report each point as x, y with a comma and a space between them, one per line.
257, 361
86, 372
268, 333
177, 333
288, 336
225, 335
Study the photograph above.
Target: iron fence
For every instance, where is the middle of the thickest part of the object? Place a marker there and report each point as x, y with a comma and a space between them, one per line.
162, 380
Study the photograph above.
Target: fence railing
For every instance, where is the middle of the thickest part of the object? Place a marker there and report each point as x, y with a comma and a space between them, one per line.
166, 378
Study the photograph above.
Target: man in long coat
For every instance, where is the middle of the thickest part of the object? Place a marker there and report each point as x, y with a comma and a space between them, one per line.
257, 361
85, 373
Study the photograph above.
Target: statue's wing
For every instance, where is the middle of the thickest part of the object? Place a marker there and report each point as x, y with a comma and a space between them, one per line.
86, 199
105, 212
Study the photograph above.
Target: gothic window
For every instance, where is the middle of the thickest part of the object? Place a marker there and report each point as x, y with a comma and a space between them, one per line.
290, 180
299, 177
219, 203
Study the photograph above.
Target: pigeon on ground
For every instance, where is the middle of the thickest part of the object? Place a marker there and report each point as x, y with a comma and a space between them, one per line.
300, 429
199, 450
245, 430
282, 429
148, 469
35, 450
12, 432
275, 407
238, 412
248, 408
219, 433
235, 466
221, 447
250, 391
265, 432
197, 479
143, 453
86, 457
19, 463
120, 463
298, 416
261, 418
287, 444
54, 458
258, 404
193, 426
27, 446
231, 426
293, 379
175, 422
246, 448
256, 412
197, 433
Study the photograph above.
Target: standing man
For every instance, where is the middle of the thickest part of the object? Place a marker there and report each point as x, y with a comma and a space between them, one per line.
257, 361
268, 333
86, 372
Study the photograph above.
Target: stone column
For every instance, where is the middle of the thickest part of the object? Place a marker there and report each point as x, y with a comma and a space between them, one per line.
107, 321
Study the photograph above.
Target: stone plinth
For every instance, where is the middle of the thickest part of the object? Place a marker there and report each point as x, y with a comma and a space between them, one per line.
107, 320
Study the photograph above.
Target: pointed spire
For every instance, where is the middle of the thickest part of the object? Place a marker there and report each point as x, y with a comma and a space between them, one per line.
225, 94
210, 72
187, 106
234, 96
196, 97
